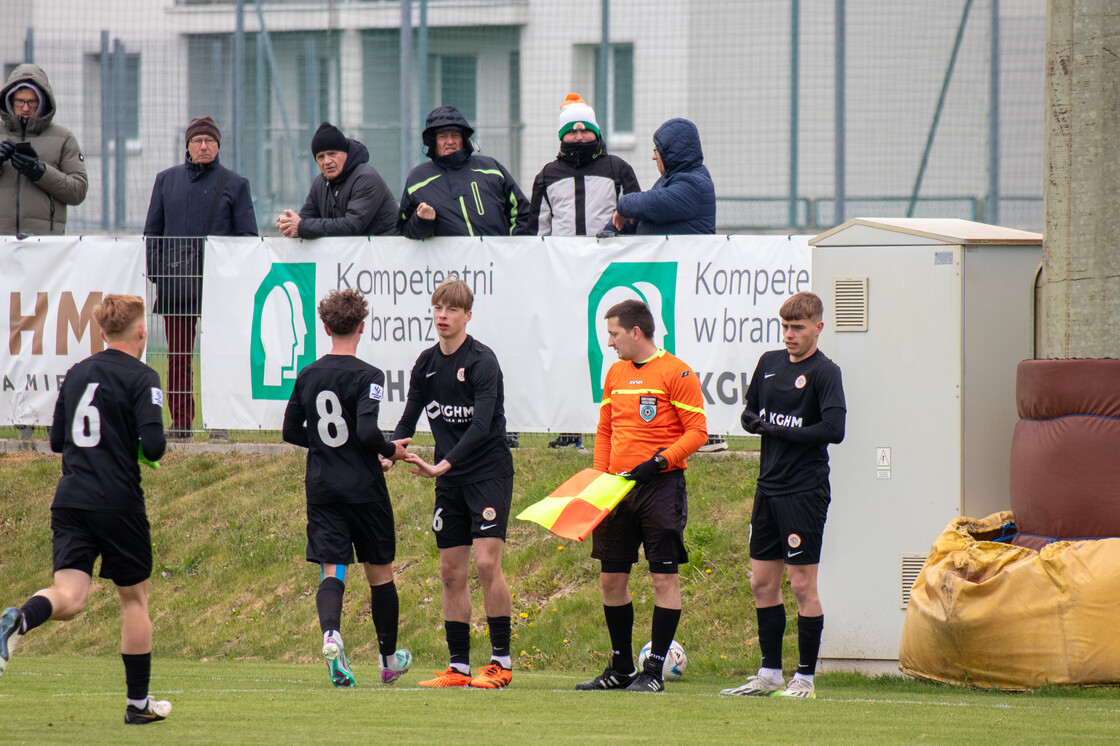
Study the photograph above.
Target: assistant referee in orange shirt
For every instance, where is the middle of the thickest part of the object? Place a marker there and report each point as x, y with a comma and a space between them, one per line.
651, 419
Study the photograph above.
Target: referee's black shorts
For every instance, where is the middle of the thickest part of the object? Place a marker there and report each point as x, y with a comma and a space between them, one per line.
123, 540
652, 515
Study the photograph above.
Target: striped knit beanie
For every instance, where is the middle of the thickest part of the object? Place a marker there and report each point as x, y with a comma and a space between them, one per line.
205, 127
575, 114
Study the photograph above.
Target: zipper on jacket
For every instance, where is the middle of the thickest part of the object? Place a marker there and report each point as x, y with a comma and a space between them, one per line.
477, 198
466, 218
50, 198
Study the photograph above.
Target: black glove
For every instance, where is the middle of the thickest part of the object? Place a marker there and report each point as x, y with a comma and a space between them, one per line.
28, 165
7, 147
644, 471
755, 425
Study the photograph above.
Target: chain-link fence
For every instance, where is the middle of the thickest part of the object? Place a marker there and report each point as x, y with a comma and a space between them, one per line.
811, 111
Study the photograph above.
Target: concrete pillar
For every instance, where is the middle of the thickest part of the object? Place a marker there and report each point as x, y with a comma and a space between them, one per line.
1079, 290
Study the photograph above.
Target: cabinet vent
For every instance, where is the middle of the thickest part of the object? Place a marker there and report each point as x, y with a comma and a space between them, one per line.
850, 304
911, 565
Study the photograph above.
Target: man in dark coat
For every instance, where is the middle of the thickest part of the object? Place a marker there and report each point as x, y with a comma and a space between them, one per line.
347, 198
460, 193
197, 198
683, 200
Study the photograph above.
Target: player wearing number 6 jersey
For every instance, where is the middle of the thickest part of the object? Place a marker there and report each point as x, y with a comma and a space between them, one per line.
109, 413
333, 414
458, 384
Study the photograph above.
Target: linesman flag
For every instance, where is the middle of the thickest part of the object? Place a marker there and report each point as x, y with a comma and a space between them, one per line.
576, 507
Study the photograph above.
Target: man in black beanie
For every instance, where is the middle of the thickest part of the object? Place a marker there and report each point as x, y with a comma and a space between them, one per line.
348, 198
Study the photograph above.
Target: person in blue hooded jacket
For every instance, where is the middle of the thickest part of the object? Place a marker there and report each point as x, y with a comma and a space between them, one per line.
459, 192
683, 199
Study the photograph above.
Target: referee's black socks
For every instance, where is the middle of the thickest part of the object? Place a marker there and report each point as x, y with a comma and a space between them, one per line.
661, 637
620, 627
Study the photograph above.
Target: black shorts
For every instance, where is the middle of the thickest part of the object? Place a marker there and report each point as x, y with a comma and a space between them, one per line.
467, 512
653, 515
336, 531
789, 527
123, 540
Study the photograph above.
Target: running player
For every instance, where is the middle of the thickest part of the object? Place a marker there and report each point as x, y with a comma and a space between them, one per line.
109, 415
796, 403
651, 419
333, 414
458, 384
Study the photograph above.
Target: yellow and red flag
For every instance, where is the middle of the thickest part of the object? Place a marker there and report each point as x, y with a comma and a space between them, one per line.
576, 507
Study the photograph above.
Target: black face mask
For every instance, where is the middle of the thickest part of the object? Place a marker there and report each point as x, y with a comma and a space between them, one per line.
453, 160
580, 153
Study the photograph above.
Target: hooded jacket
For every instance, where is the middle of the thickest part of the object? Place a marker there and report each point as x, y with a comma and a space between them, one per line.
683, 200
473, 195
356, 203
182, 199
39, 207
578, 190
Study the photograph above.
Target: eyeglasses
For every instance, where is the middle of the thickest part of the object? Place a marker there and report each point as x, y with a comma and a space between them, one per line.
209, 141
25, 103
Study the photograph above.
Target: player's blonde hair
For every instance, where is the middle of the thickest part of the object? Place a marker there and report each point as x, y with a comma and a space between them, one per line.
454, 293
802, 306
343, 311
116, 315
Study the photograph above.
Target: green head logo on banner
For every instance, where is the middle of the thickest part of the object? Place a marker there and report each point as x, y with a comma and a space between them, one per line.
655, 284
283, 329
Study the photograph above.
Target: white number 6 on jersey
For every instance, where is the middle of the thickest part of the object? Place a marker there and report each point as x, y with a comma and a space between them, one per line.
86, 429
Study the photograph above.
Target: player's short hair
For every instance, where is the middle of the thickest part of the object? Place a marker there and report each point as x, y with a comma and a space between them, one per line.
802, 306
343, 311
631, 313
116, 314
454, 293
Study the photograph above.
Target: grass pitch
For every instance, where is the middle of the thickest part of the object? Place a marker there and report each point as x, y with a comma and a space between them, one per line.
67, 700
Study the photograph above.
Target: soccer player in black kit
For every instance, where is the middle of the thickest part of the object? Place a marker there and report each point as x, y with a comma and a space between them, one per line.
796, 403
458, 384
333, 414
109, 416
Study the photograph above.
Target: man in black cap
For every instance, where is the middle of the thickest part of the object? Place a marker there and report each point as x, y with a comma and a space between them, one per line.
348, 198
199, 197
460, 193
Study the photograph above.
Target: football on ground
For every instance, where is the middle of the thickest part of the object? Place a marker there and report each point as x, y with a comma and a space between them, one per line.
675, 661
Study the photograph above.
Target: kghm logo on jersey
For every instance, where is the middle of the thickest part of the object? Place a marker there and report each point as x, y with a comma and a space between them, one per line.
283, 336
453, 414
653, 283
647, 407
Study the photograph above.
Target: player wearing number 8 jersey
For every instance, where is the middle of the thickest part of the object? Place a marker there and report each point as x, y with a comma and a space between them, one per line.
333, 413
458, 384
108, 415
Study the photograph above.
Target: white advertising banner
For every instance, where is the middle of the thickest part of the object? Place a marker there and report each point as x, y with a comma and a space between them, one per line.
539, 304
51, 285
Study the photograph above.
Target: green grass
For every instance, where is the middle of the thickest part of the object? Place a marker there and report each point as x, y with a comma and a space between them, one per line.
231, 582
69, 700
237, 642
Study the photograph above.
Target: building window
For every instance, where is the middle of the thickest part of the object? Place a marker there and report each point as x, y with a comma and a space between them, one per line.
619, 97
453, 81
121, 104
